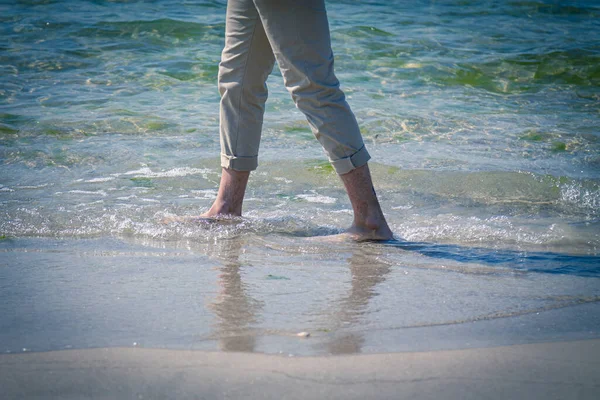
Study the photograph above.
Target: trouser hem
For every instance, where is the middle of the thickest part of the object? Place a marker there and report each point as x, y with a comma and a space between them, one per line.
239, 163
347, 164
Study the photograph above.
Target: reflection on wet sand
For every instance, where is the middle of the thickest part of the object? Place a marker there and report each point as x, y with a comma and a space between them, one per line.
235, 310
367, 271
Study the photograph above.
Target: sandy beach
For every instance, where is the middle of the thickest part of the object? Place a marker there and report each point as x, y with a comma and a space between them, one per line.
560, 370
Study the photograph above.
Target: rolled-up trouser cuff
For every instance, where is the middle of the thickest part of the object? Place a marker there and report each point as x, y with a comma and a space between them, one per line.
347, 164
239, 163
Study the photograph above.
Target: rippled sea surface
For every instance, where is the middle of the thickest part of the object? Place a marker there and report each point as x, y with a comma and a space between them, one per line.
482, 118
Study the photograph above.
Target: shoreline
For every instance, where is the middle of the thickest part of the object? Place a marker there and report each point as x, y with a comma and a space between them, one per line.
551, 370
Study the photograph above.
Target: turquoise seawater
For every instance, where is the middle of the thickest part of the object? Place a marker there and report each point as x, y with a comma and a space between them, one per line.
482, 118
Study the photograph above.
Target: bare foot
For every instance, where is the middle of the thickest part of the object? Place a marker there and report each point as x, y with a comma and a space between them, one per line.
231, 194
227, 207
199, 219
362, 234
369, 221
354, 234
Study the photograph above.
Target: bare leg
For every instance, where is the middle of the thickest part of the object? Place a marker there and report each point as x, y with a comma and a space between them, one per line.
369, 221
231, 194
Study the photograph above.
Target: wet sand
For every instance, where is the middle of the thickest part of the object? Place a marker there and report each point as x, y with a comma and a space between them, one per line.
560, 370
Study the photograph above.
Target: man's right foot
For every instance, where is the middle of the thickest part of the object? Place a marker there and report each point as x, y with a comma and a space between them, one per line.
379, 234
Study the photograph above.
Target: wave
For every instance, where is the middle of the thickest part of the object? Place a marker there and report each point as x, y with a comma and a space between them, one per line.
156, 30
513, 74
516, 193
533, 7
505, 209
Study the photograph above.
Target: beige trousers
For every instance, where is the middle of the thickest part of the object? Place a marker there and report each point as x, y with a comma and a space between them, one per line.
295, 33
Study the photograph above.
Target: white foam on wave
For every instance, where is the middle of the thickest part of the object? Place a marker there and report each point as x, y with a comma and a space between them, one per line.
344, 211
133, 196
317, 198
407, 207
100, 192
580, 196
281, 179
32, 186
146, 172
99, 180
206, 194
500, 233
84, 205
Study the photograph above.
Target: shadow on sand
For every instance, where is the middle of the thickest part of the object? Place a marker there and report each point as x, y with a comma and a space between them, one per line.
527, 261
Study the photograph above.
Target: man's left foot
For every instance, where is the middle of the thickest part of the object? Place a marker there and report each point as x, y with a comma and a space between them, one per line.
198, 219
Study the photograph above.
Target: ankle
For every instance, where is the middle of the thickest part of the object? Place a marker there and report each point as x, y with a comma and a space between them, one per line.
223, 207
371, 231
370, 224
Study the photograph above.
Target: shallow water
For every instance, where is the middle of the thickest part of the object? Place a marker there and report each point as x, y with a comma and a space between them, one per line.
482, 119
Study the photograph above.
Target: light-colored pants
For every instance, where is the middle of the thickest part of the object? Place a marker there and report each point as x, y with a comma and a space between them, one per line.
296, 34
